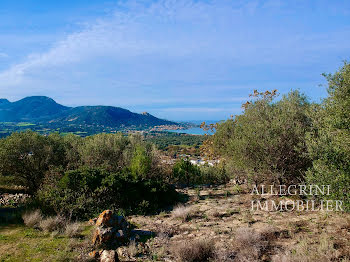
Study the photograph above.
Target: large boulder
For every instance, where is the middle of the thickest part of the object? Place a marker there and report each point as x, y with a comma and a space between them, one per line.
111, 229
108, 256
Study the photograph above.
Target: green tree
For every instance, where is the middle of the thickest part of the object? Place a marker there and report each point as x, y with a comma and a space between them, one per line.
86, 192
185, 172
267, 141
141, 163
110, 151
73, 144
27, 156
329, 141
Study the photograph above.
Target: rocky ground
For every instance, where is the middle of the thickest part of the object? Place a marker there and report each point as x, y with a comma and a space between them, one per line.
215, 224
219, 222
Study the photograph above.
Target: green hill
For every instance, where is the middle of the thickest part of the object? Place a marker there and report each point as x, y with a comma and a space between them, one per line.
44, 110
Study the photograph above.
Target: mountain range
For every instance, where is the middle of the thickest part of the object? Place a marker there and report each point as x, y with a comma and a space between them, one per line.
44, 110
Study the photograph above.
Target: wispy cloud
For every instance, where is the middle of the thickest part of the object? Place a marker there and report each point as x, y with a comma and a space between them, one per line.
173, 52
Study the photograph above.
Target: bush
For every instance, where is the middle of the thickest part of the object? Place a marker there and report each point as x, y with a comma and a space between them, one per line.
186, 173
140, 163
114, 152
250, 244
73, 229
33, 218
182, 212
194, 251
109, 151
51, 224
28, 156
329, 141
213, 175
266, 142
80, 177
304, 251
86, 192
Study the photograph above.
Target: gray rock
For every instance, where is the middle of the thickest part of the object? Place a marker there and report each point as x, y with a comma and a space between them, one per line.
109, 256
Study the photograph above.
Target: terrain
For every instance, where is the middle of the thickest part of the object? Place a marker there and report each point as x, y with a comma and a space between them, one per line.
42, 113
220, 216
185, 198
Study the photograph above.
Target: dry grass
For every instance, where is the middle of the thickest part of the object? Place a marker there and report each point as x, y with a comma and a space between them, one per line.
282, 257
345, 224
166, 231
239, 233
182, 212
194, 251
242, 234
132, 249
299, 226
32, 219
225, 254
55, 225
51, 224
215, 214
22, 243
83, 248
249, 244
270, 233
305, 251
73, 229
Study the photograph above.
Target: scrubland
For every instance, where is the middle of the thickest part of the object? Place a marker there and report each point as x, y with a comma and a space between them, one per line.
215, 224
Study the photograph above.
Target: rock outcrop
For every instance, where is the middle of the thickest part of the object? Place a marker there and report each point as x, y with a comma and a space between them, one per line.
104, 256
108, 256
111, 229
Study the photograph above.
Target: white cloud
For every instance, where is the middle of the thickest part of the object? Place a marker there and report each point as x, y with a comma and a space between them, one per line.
167, 29
180, 50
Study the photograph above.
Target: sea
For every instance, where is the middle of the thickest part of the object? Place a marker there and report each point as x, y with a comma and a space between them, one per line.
195, 130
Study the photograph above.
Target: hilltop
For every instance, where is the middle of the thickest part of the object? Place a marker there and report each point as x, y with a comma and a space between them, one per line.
45, 111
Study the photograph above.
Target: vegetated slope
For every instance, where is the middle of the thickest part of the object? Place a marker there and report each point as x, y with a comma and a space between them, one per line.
41, 109
108, 116
33, 108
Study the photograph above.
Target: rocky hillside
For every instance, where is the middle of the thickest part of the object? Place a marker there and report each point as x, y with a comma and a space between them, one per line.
41, 109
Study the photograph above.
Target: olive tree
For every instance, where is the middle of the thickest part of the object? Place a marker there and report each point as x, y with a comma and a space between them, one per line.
267, 141
27, 156
329, 141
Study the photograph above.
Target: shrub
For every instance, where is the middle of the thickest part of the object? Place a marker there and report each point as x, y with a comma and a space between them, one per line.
109, 151
51, 224
249, 244
182, 212
329, 141
213, 175
184, 172
268, 140
140, 163
32, 219
306, 251
73, 229
85, 193
28, 156
194, 251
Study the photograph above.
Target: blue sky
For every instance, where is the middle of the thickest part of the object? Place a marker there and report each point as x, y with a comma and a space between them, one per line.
180, 60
